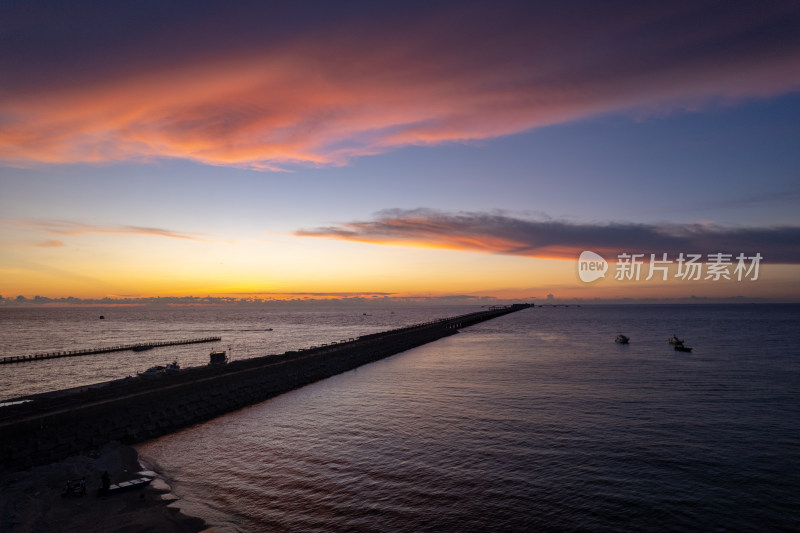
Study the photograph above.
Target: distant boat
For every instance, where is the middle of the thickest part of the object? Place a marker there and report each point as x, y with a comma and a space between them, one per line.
142, 348
102, 317
622, 339
675, 340
682, 348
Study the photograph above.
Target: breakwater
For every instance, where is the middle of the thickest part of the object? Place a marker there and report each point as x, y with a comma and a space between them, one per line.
54, 425
104, 349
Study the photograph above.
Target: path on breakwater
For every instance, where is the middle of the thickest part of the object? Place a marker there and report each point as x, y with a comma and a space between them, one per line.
54, 425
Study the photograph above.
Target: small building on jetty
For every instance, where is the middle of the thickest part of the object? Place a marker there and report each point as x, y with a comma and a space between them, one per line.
54, 425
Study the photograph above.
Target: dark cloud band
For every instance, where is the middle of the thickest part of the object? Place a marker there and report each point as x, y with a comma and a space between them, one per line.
503, 234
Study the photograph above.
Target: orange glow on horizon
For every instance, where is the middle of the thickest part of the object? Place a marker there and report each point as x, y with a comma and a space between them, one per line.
92, 261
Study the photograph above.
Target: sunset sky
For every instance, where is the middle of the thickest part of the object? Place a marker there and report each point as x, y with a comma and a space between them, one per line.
434, 149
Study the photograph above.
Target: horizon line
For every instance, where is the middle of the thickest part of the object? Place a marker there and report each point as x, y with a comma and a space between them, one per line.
198, 301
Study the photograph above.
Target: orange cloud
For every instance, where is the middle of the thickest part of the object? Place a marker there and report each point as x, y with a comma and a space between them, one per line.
50, 243
328, 93
64, 227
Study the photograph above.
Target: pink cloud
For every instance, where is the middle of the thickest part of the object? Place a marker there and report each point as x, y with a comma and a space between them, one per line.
325, 95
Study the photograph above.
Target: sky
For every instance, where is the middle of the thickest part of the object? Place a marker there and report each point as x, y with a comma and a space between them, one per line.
432, 149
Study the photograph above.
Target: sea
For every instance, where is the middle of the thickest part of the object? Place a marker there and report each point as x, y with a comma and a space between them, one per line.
534, 421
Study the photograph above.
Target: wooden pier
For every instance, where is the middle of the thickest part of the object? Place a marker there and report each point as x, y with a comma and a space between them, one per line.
140, 346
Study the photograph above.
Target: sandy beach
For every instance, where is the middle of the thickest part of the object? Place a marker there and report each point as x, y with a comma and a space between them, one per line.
31, 500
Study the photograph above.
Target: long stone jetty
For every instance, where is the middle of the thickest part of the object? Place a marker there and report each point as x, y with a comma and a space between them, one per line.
48, 427
104, 349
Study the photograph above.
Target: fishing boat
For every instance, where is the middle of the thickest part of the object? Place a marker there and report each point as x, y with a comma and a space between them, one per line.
124, 486
682, 348
675, 340
622, 339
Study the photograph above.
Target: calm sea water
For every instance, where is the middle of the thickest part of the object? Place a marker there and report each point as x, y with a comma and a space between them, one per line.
536, 421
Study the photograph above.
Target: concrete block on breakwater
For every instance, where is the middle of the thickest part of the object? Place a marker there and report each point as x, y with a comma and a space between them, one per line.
55, 425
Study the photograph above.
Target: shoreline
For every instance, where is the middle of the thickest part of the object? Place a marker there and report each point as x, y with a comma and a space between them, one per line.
31, 500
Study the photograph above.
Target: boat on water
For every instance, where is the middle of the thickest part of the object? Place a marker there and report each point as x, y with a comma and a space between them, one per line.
124, 486
675, 340
622, 339
682, 348
142, 348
